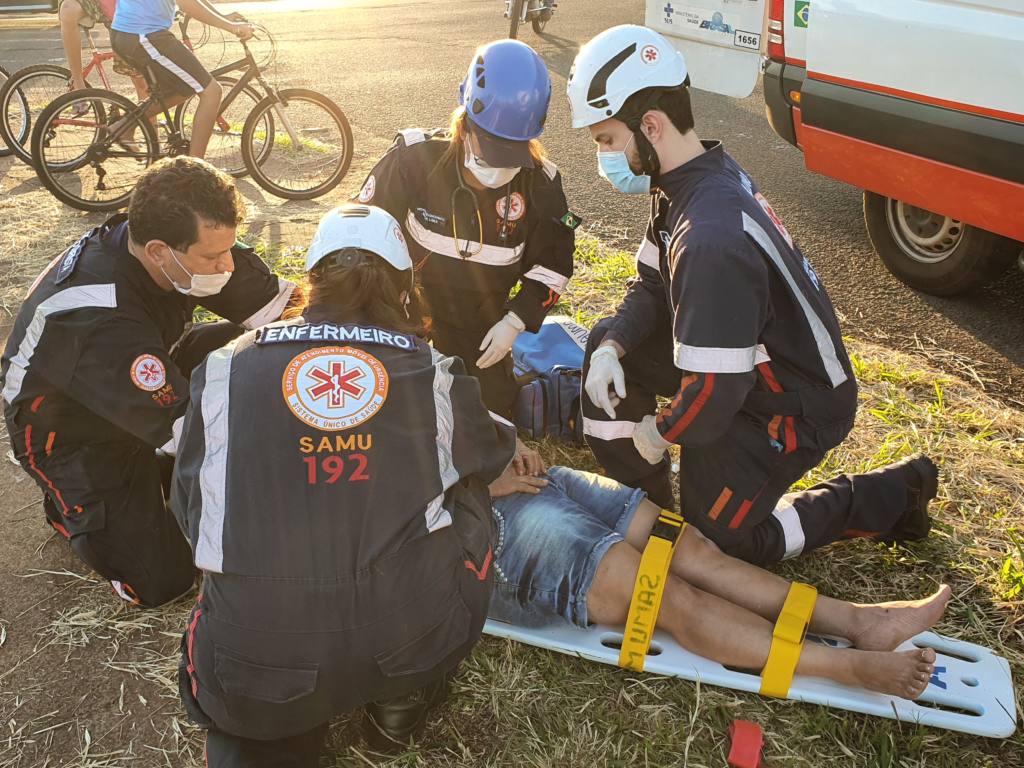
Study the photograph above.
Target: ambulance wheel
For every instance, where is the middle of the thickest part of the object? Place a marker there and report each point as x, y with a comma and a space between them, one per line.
933, 253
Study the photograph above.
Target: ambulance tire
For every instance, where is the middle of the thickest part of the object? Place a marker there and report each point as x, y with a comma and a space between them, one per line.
932, 253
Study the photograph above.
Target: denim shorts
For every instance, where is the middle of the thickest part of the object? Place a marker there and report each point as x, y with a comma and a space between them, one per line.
550, 544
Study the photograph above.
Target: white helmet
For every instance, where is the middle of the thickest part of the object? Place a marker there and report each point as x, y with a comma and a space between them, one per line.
616, 64
360, 226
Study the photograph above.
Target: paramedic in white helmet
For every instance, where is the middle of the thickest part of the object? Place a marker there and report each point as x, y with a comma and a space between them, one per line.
349, 566
728, 320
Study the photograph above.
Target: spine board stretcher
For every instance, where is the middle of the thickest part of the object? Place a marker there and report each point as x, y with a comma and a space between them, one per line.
971, 690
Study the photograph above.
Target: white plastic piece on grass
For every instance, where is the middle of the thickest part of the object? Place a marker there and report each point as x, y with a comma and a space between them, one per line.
971, 690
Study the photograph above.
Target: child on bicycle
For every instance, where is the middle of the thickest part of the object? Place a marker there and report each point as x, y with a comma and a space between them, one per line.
140, 33
76, 13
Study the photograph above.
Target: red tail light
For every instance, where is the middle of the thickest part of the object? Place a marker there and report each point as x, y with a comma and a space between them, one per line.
776, 25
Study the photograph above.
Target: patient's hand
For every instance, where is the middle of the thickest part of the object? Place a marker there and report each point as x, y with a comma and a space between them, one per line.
527, 461
510, 482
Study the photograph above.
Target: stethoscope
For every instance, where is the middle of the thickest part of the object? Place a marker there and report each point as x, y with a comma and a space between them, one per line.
462, 189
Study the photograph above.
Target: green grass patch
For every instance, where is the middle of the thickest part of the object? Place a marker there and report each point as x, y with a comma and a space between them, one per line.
517, 706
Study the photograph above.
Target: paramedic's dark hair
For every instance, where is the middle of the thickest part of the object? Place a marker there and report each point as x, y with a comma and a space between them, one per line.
675, 103
353, 284
174, 194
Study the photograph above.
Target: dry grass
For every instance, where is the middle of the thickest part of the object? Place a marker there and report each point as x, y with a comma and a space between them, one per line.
514, 705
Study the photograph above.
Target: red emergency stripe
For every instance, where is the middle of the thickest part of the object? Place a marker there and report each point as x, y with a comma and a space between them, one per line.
987, 202
683, 385
482, 573
49, 442
693, 411
36, 403
853, 533
38, 471
59, 529
741, 514
550, 302
191, 667
773, 427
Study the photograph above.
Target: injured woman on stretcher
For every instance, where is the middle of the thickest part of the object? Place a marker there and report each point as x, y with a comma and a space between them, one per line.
569, 548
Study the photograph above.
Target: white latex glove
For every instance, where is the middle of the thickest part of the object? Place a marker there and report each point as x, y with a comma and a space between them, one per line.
648, 440
605, 371
499, 339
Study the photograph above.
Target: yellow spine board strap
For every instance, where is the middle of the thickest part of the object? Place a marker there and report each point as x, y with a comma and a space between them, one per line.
788, 640
649, 589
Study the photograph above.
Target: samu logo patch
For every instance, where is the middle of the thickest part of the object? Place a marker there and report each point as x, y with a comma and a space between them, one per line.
334, 388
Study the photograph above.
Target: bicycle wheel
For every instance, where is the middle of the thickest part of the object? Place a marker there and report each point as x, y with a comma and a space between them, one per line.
92, 166
309, 150
225, 148
22, 98
515, 16
4, 149
541, 19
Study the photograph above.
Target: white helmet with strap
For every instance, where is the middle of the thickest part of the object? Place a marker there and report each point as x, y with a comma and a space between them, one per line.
616, 64
360, 226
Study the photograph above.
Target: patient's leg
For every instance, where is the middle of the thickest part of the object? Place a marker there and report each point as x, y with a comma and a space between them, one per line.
734, 636
878, 627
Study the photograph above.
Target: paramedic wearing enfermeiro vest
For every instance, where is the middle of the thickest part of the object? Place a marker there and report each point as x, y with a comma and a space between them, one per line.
728, 319
483, 211
332, 477
95, 371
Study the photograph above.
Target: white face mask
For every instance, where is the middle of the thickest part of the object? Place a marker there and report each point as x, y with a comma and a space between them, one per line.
198, 285
493, 178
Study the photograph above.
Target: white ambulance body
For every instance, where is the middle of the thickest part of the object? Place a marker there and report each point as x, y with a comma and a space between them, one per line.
920, 103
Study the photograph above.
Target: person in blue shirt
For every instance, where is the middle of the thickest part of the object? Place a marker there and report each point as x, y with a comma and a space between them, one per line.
140, 34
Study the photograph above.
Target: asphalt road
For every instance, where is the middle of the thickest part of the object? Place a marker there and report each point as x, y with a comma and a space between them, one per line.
397, 63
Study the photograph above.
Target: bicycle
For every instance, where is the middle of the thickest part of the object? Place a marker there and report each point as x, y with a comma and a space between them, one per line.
91, 161
537, 12
4, 149
30, 89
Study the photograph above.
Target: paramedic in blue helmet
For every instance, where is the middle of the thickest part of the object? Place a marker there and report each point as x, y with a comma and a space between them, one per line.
483, 211
349, 566
728, 321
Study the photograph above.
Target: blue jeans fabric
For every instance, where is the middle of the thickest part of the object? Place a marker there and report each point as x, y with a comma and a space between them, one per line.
550, 544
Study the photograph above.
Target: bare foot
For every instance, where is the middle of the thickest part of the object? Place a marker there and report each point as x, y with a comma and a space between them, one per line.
904, 674
883, 626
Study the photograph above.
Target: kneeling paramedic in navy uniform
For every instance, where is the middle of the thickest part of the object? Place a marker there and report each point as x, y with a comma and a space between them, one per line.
483, 211
350, 565
95, 371
727, 319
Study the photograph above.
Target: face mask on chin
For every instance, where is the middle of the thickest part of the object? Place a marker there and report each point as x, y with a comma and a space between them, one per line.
198, 285
492, 178
614, 166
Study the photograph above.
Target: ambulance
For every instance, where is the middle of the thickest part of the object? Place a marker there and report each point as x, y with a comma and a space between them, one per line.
919, 103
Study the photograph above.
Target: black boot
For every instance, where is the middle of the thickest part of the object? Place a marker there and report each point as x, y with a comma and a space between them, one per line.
922, 478
391, 725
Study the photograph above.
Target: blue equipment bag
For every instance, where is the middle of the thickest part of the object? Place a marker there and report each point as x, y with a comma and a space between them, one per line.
549, 366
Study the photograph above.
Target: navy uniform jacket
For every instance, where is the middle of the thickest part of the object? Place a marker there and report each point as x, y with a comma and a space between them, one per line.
88, 360
332, 481
527, 228
752, 326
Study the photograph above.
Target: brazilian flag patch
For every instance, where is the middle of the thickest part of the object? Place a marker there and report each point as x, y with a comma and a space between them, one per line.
571, 220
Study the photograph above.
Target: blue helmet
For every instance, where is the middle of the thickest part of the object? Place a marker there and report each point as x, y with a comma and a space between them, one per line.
507, 90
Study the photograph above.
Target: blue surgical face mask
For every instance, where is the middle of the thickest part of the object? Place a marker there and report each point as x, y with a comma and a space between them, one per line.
614, 166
